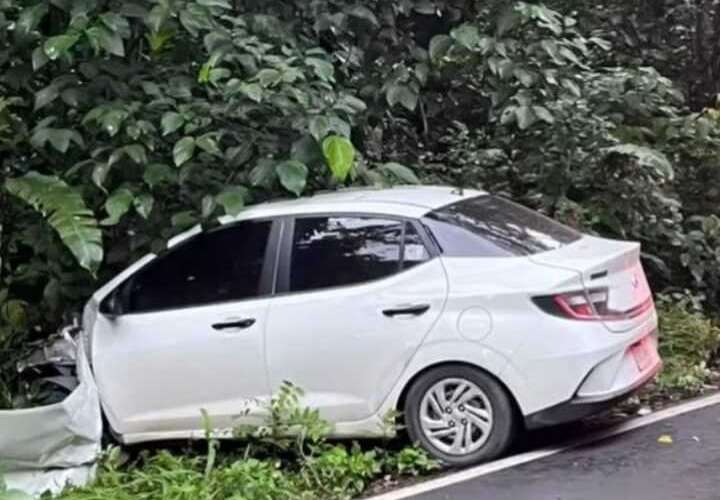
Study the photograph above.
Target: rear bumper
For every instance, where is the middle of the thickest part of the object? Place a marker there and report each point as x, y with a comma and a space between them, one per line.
580, 407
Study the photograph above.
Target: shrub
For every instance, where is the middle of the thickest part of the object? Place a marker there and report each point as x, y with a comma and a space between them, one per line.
688, 340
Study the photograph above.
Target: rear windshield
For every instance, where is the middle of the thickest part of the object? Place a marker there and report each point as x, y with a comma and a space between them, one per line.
488, 226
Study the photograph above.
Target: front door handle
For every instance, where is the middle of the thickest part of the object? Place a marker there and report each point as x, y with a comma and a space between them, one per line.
240, 323
411, 310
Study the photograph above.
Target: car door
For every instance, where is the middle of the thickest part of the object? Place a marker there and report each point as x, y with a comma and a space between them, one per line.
188, 335
359, 294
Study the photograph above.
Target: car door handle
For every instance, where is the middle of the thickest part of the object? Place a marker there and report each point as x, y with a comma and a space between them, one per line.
411, 310
240, 323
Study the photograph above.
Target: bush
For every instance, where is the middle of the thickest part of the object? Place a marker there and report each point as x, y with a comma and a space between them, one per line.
688, 341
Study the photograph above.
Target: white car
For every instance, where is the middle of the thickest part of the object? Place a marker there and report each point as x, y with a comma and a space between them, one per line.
471, 315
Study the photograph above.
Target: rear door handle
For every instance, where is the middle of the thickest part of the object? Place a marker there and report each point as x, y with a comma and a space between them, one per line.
411, 310
240, 323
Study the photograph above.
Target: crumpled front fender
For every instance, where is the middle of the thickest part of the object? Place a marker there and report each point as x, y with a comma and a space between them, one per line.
44, 447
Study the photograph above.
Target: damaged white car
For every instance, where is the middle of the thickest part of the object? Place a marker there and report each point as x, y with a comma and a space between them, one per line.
471, 315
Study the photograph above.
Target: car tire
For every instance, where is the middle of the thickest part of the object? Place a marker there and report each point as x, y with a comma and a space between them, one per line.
490, 414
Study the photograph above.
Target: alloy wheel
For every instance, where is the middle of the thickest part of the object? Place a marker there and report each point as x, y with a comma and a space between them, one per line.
456, 416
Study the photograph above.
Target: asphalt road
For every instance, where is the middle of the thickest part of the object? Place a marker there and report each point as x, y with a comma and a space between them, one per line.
630, 466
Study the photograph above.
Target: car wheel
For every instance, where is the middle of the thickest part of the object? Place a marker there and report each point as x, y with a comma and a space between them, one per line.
460, 415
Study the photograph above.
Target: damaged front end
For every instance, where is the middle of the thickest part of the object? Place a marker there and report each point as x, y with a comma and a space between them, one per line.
48, 447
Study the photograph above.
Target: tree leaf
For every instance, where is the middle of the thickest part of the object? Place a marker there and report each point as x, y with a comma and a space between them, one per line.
46, 95
157, 17
223, 4
64, 209
158, 173
183, 150
292, 175
339, 155
252, 90
136, 152
208, 143
171, 121
362, 12
117, 205
400, 171
403, 94
144, 204
543, 114
439, 47
263, 173
59, 45
116, 23
268, 77
525, 117
319, 127
232, 199
466, 35
39, 59
526, 78
322, 68
207, 206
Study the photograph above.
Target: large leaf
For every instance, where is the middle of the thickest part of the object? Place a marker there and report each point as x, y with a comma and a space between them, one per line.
117, 205
183, 150
64, 209
232, 199
400, 171
292, 175
339, 155
58, 46
171, 121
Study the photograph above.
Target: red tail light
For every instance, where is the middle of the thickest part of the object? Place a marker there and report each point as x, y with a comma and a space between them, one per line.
589, 306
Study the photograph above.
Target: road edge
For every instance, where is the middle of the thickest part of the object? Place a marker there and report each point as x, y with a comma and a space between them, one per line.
530, 456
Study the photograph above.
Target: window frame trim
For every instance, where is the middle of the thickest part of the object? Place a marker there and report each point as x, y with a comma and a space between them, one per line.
282, 284
268, 273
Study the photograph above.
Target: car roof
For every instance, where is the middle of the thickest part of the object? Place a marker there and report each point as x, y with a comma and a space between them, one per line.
400, 201
404, 201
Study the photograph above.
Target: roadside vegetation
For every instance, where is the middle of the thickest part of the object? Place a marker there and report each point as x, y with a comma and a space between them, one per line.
267, 464
123, 123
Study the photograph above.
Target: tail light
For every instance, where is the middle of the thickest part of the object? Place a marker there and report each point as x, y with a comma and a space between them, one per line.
589, 306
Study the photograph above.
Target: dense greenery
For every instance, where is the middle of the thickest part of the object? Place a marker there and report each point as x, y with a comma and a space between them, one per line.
125, 122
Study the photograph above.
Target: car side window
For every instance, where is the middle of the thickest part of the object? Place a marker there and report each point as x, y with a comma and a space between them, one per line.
339, 251
217, 266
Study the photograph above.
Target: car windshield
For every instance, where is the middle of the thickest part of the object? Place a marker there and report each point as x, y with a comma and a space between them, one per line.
488, 226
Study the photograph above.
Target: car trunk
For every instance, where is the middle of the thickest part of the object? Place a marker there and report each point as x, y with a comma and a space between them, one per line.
607, 264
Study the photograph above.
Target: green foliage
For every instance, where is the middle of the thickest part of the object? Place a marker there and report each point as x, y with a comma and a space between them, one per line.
688, 340
153, 117
66, 212
286, 457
